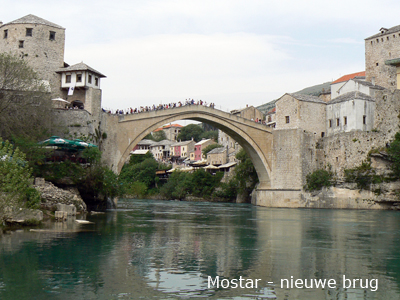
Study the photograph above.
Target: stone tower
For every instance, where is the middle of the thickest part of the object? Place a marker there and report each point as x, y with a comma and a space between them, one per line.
39, 42
382, 56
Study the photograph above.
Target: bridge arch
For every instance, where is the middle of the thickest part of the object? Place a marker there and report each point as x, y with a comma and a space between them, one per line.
256, 139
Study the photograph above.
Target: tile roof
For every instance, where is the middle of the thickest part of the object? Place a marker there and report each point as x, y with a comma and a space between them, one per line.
348, 77
306, 98
79, 67
272, 111
203, 141
351, 96
217, 150
385, 31
168, 126
32, 19
367, 83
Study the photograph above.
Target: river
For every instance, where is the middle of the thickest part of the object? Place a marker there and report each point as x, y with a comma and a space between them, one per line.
150, 249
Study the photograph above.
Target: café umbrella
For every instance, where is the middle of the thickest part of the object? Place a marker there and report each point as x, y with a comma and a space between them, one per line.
65, 144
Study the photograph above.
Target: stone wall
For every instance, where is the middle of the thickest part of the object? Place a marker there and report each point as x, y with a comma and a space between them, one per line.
78, 122
377, 51
294, 156
348, 150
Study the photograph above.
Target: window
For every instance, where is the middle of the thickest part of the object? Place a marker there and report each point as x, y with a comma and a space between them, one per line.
322, 134
330, 123
52, 36
21, 44
28, 32
364, 120
287, 119
90, 79
337, 122
5, 33
78, 77
377, 64
345, 120
96, 81
68, 79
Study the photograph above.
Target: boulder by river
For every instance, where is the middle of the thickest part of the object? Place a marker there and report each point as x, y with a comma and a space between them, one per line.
53, 195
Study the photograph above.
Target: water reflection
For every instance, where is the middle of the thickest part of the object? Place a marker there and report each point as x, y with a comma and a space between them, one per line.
160, 250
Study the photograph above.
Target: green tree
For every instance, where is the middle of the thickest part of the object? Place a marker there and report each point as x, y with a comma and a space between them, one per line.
211, 147
245, 175
159, 135
191, 131
25, 105
210, 135
394, 154
15, 179
318, 179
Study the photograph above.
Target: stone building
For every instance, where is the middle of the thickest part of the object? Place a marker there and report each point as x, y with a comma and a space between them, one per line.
171, 131
42, 43
199, 147
382, 57
217, 156
337, 85
161, 150
350, 111
296, 111
250, 112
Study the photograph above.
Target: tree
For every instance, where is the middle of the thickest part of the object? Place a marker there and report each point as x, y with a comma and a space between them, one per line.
15, 179
25, 105
394, 154
191, 131
210, 147
245, 174
159, 135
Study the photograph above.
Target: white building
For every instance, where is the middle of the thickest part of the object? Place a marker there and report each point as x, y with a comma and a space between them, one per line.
351, 111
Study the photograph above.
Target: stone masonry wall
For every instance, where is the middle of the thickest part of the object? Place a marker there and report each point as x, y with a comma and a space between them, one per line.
43, 54
78, 121
295, 155
377, 50
348, 150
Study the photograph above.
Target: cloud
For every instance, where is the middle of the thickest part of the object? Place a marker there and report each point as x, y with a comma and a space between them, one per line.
183, 65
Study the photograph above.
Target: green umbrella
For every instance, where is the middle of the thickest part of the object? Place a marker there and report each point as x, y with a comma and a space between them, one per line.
60, 143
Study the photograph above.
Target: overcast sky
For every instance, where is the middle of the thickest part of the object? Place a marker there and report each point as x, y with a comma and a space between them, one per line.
228, 52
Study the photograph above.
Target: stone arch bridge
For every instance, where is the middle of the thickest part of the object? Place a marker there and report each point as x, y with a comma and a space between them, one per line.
282, 158
125, 131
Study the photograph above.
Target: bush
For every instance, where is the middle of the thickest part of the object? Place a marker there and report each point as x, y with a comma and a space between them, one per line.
319, 179
15, 178
362, 175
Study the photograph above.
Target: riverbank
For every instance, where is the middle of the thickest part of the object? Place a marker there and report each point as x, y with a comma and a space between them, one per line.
384, 196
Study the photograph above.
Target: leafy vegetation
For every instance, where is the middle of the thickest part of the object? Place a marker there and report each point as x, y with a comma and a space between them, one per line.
210, 147
25, 105
15, 180
318, 179
394, 154
196, 132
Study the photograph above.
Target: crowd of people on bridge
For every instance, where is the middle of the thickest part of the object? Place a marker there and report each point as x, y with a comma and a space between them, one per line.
154, 107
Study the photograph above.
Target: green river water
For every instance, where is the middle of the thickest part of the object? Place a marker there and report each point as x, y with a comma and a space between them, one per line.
149, 249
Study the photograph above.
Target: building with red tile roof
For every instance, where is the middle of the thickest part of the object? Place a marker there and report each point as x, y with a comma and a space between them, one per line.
349, 76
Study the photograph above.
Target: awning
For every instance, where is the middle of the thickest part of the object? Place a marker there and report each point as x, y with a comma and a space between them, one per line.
228, 165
